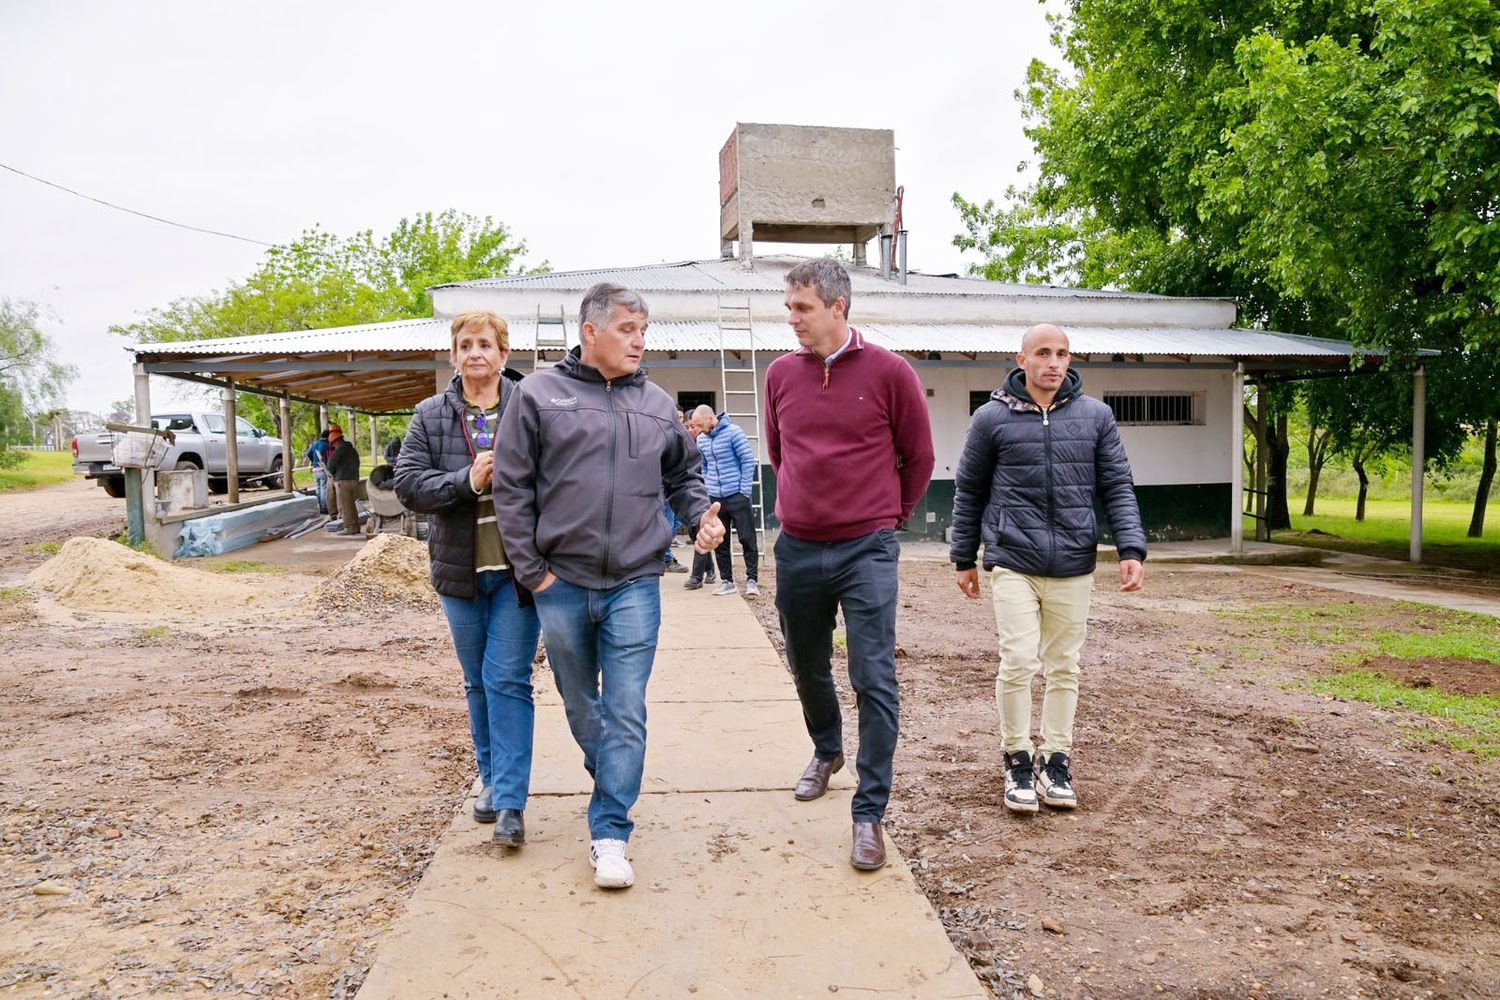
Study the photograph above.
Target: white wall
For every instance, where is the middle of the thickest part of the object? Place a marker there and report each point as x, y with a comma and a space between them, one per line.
1159, 456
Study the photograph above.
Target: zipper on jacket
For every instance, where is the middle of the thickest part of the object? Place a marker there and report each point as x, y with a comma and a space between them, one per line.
1051, 501
609, 507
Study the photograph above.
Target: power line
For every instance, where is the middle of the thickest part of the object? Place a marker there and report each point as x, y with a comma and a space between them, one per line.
131, 211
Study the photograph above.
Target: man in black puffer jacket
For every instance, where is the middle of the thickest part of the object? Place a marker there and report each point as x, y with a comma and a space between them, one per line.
1034, 458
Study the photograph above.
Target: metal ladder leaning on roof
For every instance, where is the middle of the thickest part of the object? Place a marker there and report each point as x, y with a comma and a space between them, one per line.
742, 397
551, 335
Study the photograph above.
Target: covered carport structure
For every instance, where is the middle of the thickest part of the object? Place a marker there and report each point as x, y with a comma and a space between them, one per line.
374, 369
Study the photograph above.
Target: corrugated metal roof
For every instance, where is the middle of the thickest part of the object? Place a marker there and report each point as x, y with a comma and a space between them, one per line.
769, 276
398, 335
428, 336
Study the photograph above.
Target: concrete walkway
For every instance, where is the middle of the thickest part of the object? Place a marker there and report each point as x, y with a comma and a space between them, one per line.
741, 891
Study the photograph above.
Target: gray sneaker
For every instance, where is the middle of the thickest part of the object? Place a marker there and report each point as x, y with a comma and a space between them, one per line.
727, 587
692, 583
752, 589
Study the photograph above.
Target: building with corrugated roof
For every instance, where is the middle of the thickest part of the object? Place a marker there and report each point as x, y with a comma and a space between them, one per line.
1172, 368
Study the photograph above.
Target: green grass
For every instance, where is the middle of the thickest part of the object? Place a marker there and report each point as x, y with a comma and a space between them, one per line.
1435, 633
1386, 531
1464, 722
244, 566
12, 595
1478, 644
37, 468
48, 548
145, 548
155, 632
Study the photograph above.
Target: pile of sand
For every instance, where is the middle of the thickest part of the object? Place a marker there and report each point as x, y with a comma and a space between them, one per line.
391, 569
103, 575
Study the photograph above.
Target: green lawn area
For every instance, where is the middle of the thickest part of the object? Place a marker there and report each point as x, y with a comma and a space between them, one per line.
37, 468
1386, 531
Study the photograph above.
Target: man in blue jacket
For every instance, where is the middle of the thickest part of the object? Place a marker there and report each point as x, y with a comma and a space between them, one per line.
729, 475
1035, 457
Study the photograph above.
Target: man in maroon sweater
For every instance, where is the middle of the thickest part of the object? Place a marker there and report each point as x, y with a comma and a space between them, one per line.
850, 442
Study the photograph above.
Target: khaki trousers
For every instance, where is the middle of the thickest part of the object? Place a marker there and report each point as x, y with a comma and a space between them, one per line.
1041, 622
344, 490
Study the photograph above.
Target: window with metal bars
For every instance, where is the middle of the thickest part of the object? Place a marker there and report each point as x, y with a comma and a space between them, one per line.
1155, 409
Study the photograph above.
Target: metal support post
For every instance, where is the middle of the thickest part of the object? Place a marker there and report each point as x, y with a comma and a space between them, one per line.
231, 443
286, 444
1237, 463
146, 478
1418, 457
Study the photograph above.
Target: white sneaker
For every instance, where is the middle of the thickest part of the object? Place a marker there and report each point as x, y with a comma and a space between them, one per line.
1020, 787
727, 587
611, 868
1055, 781
752, 589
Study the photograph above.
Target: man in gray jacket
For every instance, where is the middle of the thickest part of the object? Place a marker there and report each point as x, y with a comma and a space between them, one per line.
586, 451
1034, 458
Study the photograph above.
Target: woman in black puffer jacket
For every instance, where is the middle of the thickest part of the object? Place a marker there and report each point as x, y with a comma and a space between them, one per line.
444, 470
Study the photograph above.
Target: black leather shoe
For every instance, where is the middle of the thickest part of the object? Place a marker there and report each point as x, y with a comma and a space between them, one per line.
484, 806
814, 781
510, 828
868, 853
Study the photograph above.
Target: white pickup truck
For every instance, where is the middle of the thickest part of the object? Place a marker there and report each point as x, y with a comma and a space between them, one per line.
200, 444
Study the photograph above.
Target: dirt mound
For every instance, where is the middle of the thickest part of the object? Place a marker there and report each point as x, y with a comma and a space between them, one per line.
103, 575
390, 569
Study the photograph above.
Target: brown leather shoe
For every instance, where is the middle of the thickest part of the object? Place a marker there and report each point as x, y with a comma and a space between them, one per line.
814, 781
868, 853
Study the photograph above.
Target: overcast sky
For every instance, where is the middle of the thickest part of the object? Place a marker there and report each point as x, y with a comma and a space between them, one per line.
592, 130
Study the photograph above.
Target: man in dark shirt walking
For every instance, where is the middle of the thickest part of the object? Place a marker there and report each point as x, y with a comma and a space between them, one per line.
850, 442
343, 469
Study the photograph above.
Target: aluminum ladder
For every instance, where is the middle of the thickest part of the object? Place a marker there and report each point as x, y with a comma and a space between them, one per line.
742, 397
551, 335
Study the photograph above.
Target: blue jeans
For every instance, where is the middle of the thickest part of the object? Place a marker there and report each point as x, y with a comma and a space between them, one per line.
671, 516
320, 484
814, 580
601, 644
496, 642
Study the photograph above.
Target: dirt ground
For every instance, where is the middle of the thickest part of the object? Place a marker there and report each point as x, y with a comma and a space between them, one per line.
241, 804
1237, 836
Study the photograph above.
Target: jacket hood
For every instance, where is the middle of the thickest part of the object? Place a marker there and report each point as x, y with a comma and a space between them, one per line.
573, 366
1012, 391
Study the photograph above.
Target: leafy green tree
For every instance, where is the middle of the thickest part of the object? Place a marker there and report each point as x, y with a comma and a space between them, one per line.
1332, 164
322, 280
31, 375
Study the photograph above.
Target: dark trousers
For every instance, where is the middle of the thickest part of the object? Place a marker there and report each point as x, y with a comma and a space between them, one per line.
738, 516
813, 580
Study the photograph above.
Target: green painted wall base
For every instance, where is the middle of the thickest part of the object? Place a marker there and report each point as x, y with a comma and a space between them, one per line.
1171, 513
